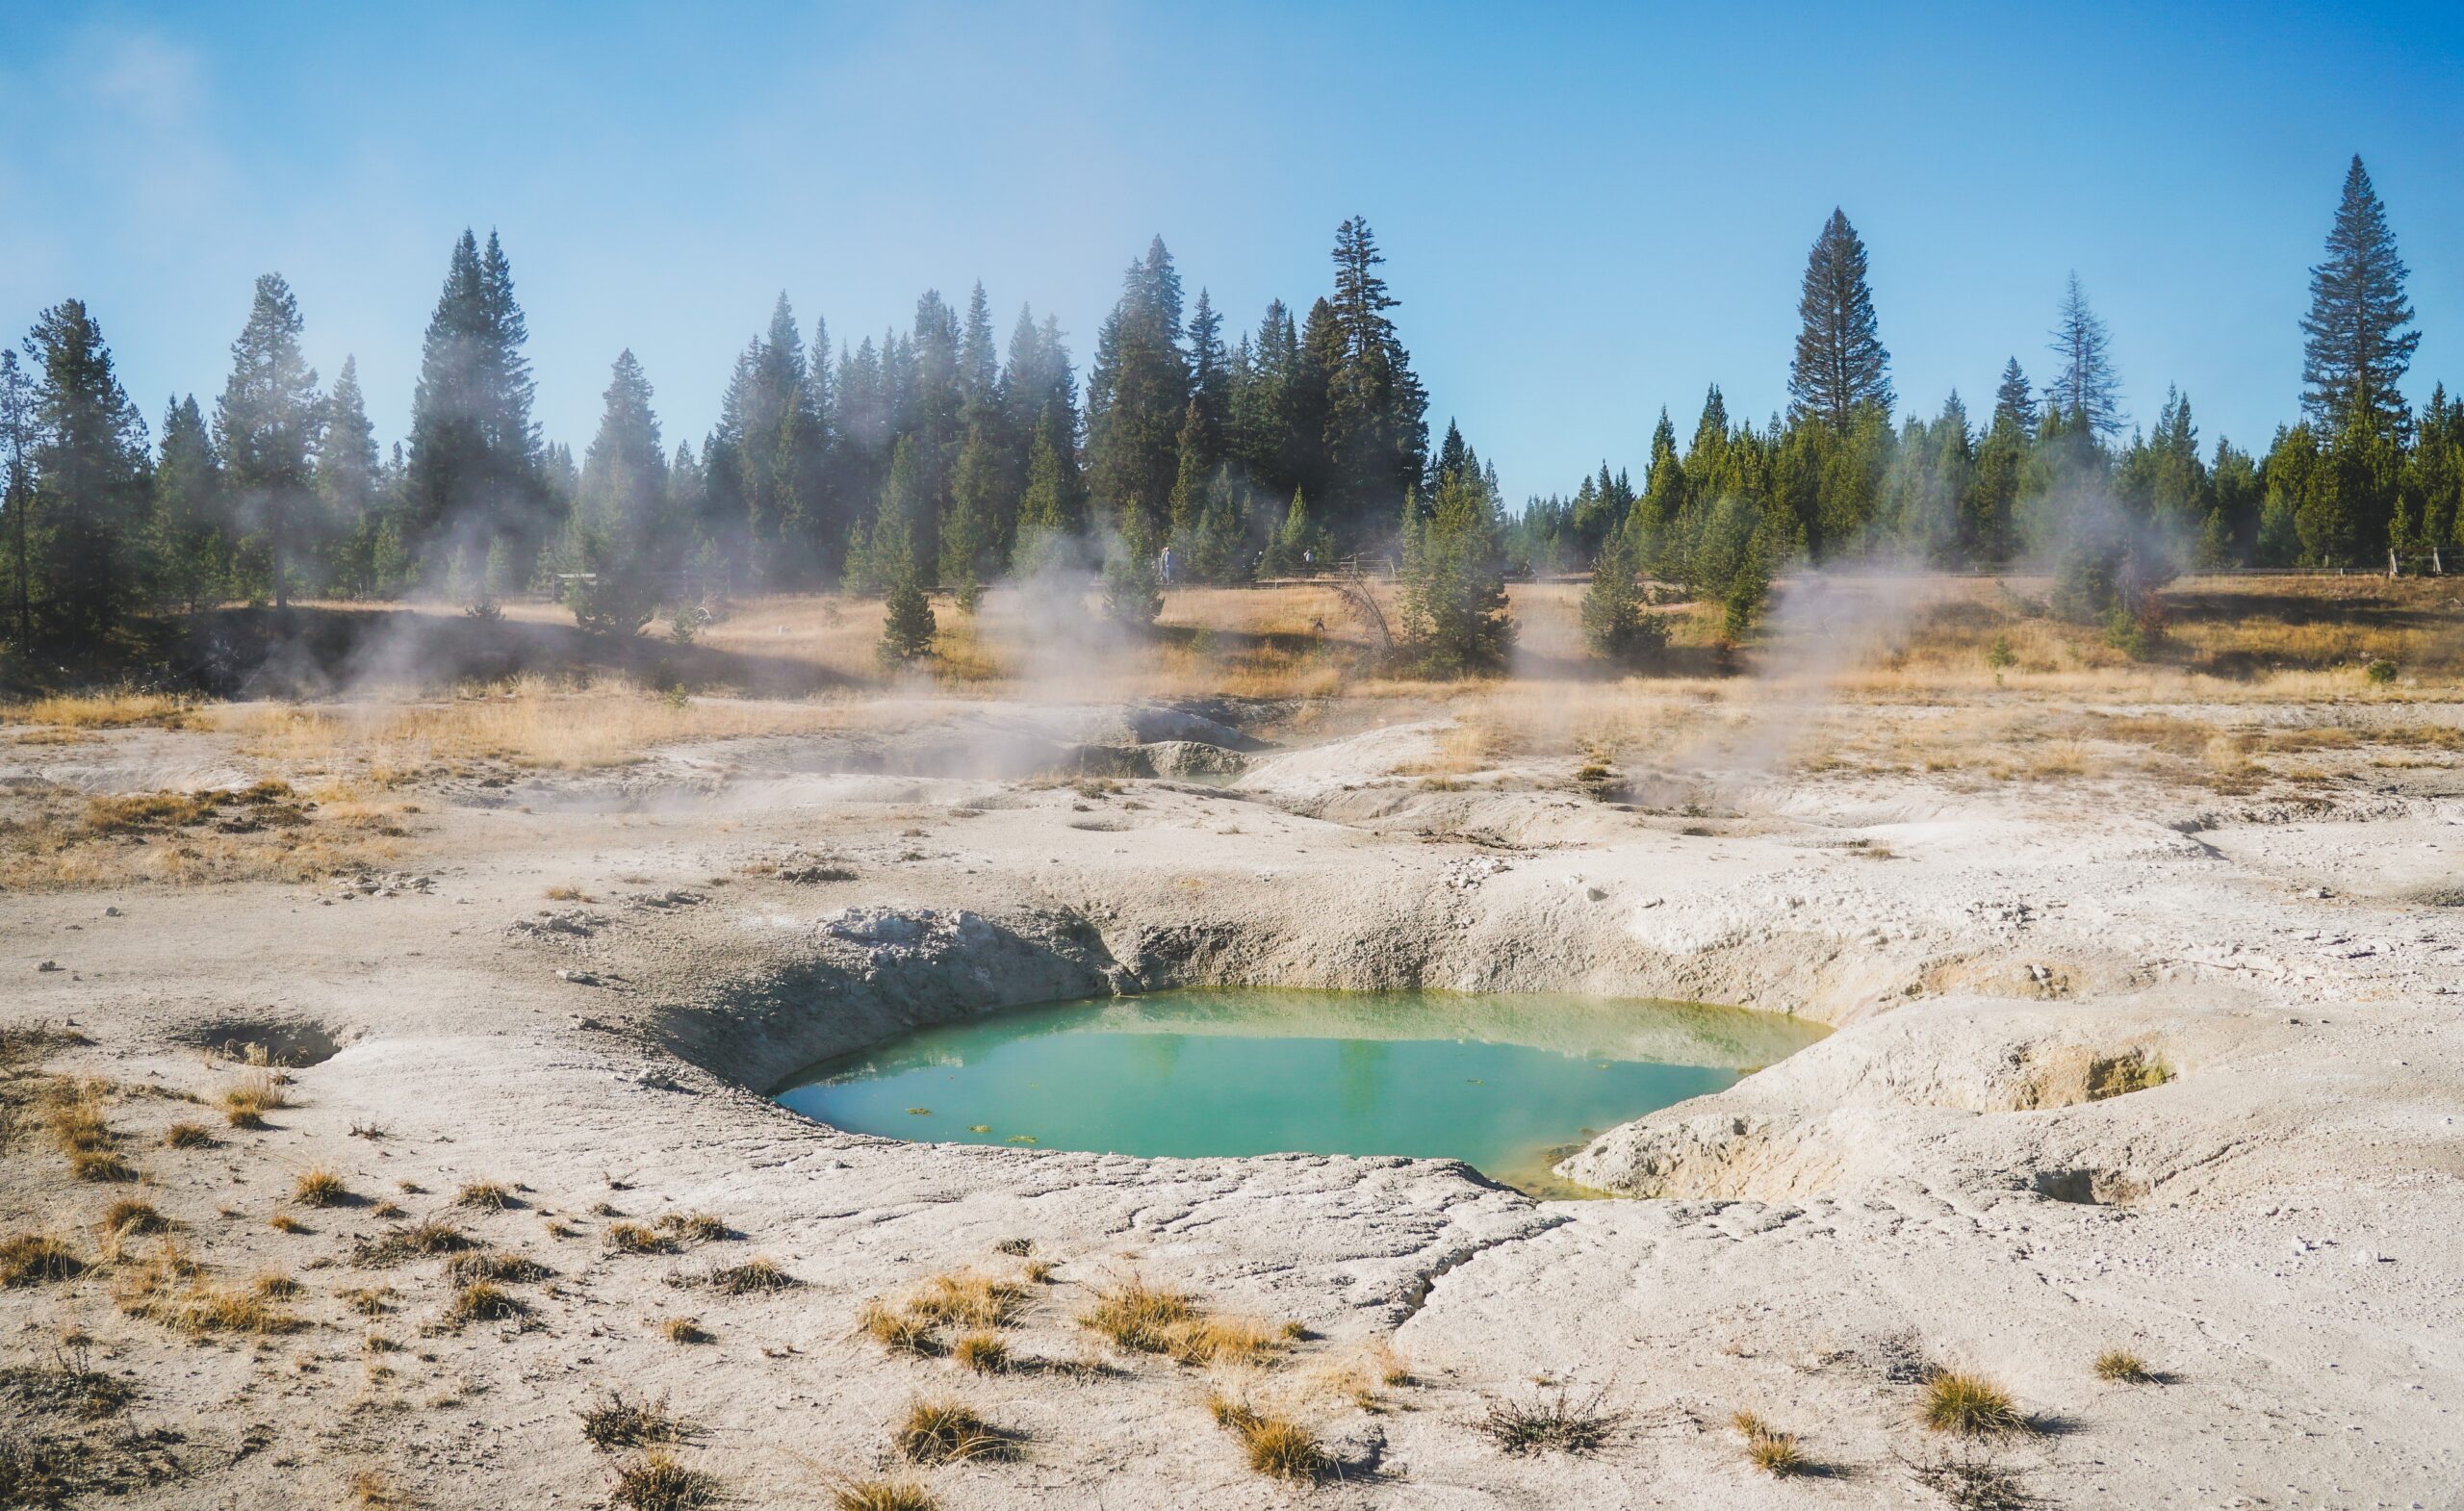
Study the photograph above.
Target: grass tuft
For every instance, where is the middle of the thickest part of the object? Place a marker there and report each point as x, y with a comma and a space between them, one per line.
484, 1196
485, 1301
1277, 1448
1767, 1449
2121, 1366
657, 1482
1138, 1317
127, 1218
487, 1264
637, 1238
695, 1227
755, 1276
29, 1259
685, 1330
1557, 1423
170, 1288
896, 1330
962, 1299
983, 1352
1968, 1405
259, 1092
188, 1135
421, 1240
881, 1494
320, 1187
943, 1431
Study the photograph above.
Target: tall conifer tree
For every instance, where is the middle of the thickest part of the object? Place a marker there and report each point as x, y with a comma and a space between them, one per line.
266, 424
1840, 365
2356, 344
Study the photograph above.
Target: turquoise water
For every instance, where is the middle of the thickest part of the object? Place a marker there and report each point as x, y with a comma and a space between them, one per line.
1503, 1083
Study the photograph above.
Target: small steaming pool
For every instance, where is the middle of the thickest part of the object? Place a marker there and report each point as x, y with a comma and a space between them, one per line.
1504, 1082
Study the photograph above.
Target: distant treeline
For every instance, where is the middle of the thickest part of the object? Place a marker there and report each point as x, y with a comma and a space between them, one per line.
942, 457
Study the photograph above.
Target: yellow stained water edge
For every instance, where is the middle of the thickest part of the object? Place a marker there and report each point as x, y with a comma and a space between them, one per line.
1506, 1083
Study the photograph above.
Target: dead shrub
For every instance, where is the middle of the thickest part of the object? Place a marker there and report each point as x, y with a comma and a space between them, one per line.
610, 1422
1557, 1423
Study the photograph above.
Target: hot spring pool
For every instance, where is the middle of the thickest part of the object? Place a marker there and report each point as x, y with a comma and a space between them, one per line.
1506, 1084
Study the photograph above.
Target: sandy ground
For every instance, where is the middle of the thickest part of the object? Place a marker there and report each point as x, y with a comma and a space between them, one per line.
2277, 1228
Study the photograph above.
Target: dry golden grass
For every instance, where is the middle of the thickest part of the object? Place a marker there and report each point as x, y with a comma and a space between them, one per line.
171, 1289
33, 1257
983, 1352
485, 1301
753, 1277
943, 1431
696, 1227
896, 1330
1275, 1446
102, 712
1767, 1449
188, 1135
637, 1238
320, 1187
684, 1330
484, 1196
2121, 1366
257, 1093
1968, 1405
1143, 1318
658, 1481
530, 722
962, 1298
881, 1494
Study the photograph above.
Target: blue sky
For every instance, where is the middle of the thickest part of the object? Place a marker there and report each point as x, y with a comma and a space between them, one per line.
1588, 212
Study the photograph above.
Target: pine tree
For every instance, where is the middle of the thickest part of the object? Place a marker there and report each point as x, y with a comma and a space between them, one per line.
908, 624
971, 529
17, 489
2086, 386
473, 475
190, 549
92, 487
2014, 403
349, 476
2356, 346
1453, 581
267, 426
1376, 414
1614, 623
1840, 365
1132, 592
1139, 388
621, 511
1048, 517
